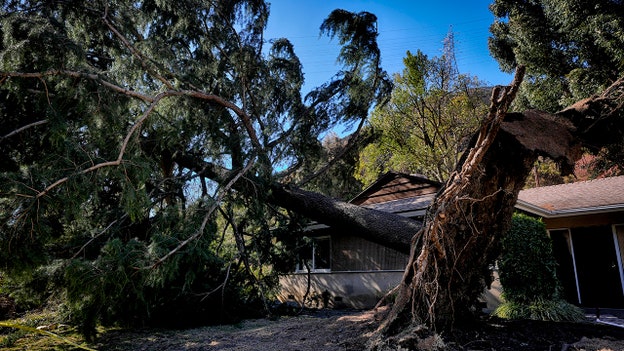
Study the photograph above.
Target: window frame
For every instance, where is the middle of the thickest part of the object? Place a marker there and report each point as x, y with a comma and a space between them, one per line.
313, 240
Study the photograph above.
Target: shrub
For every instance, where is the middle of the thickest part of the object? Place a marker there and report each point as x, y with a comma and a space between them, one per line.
528, 275
556, 310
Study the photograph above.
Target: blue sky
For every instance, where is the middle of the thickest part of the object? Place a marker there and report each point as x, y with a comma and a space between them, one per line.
403, 25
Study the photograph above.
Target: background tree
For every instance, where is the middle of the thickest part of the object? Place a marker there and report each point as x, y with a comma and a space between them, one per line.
427, 123
131, 129
571, 50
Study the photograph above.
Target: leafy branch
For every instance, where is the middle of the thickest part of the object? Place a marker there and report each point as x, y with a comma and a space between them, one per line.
153, 102
44, 332
217, 200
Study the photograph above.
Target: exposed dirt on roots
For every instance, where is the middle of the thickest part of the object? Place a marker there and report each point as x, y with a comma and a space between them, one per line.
350, 330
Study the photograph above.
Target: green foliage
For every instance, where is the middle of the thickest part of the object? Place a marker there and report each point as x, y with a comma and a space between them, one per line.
571, 47
340, 156
528, 274
39, 330
527, 265
556, 310
59, 338
122, 125
432, 112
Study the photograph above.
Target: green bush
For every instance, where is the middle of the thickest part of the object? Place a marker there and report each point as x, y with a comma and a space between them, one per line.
527, 270
527, 266
117, 283
556, 310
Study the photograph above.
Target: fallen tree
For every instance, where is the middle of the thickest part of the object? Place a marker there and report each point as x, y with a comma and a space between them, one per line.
107, 129
450, 256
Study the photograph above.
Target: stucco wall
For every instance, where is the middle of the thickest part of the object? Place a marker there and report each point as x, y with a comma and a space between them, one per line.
492, 296
360, 290
346, 289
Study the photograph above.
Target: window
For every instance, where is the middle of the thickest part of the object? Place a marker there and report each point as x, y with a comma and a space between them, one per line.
563, 250
316, 257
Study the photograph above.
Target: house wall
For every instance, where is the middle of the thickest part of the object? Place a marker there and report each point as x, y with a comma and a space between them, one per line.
588, 250
584, 220
399, 187
361, 290
351, 253
361, 273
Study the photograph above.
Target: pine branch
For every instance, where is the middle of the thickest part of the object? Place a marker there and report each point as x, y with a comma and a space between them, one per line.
21, 129
153, 100
122, 151
135, 52
221, 193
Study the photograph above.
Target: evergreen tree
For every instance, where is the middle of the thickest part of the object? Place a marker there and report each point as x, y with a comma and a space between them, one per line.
335, 170
128, 132
571, 49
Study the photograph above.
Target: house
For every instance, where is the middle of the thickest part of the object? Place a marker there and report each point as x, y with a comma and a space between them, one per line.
584, 219
349, 271
586, 223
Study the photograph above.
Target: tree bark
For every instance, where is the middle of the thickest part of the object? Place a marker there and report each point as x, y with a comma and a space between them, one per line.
384, 228
448, 266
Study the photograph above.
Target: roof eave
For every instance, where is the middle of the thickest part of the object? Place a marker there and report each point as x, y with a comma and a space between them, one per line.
544, 213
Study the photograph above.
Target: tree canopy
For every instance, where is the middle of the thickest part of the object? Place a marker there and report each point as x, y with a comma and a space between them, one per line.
571, 49
433, 111
133, 128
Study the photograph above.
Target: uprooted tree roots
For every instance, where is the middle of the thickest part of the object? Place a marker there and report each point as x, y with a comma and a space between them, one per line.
448, 265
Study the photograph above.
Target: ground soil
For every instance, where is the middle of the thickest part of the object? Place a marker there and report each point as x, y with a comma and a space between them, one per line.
349, 330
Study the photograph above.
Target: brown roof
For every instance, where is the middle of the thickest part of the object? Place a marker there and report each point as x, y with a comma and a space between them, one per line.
411, 206
603, 194
396, 186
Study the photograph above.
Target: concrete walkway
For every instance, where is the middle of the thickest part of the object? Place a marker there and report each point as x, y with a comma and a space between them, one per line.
608, 316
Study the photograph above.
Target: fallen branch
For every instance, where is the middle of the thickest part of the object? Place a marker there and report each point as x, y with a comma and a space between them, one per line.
217, 201
122, 151
21, 129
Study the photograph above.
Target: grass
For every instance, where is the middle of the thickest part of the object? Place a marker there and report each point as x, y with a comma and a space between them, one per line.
39, 331
540, 309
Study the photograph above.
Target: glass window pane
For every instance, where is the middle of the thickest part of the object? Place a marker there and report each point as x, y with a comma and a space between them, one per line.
304, 259
322, 252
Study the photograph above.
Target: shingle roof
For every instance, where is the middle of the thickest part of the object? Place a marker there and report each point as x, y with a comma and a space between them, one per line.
587, 196
407, 205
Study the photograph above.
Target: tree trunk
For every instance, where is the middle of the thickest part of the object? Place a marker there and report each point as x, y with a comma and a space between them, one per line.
384, 228
448, 267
